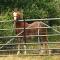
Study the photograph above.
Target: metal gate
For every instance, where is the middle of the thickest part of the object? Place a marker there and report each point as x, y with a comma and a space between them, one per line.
8, 42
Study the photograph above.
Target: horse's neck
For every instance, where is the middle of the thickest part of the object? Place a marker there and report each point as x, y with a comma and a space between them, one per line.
21, 24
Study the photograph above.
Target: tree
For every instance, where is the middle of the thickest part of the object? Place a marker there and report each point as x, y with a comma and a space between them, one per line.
32, 9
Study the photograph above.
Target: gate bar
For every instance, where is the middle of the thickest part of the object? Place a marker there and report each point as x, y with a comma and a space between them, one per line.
46, 19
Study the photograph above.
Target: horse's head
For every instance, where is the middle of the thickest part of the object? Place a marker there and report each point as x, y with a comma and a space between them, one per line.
17, 15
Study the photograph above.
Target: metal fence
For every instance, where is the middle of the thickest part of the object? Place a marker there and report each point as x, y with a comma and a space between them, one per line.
31, 46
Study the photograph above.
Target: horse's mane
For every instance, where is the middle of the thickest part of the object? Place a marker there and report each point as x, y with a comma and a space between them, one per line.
20, 14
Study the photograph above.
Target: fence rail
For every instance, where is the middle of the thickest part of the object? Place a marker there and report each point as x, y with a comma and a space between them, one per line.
29, 28
31, 43
46, 19
31, 49
29, 36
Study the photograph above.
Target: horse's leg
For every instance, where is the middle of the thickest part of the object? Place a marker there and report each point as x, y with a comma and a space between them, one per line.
41, 45
24, 46
25, 49
38, 33
24, 40
44, 38
18, 46
39, 39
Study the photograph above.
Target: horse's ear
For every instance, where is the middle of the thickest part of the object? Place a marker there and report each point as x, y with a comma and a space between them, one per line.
21, 14
15, 9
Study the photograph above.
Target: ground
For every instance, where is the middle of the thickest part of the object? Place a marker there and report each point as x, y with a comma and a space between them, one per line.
30, 57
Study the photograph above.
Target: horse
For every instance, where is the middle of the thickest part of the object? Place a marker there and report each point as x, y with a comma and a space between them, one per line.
33, 31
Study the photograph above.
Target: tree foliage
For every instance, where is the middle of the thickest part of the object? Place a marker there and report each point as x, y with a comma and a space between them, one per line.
31, 8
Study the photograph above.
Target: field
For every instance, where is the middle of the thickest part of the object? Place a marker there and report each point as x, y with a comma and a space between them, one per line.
30, 58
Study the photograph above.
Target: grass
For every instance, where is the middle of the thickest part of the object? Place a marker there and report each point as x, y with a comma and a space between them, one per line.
30, 58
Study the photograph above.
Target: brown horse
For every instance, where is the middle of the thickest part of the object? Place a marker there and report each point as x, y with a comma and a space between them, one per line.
32, 31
